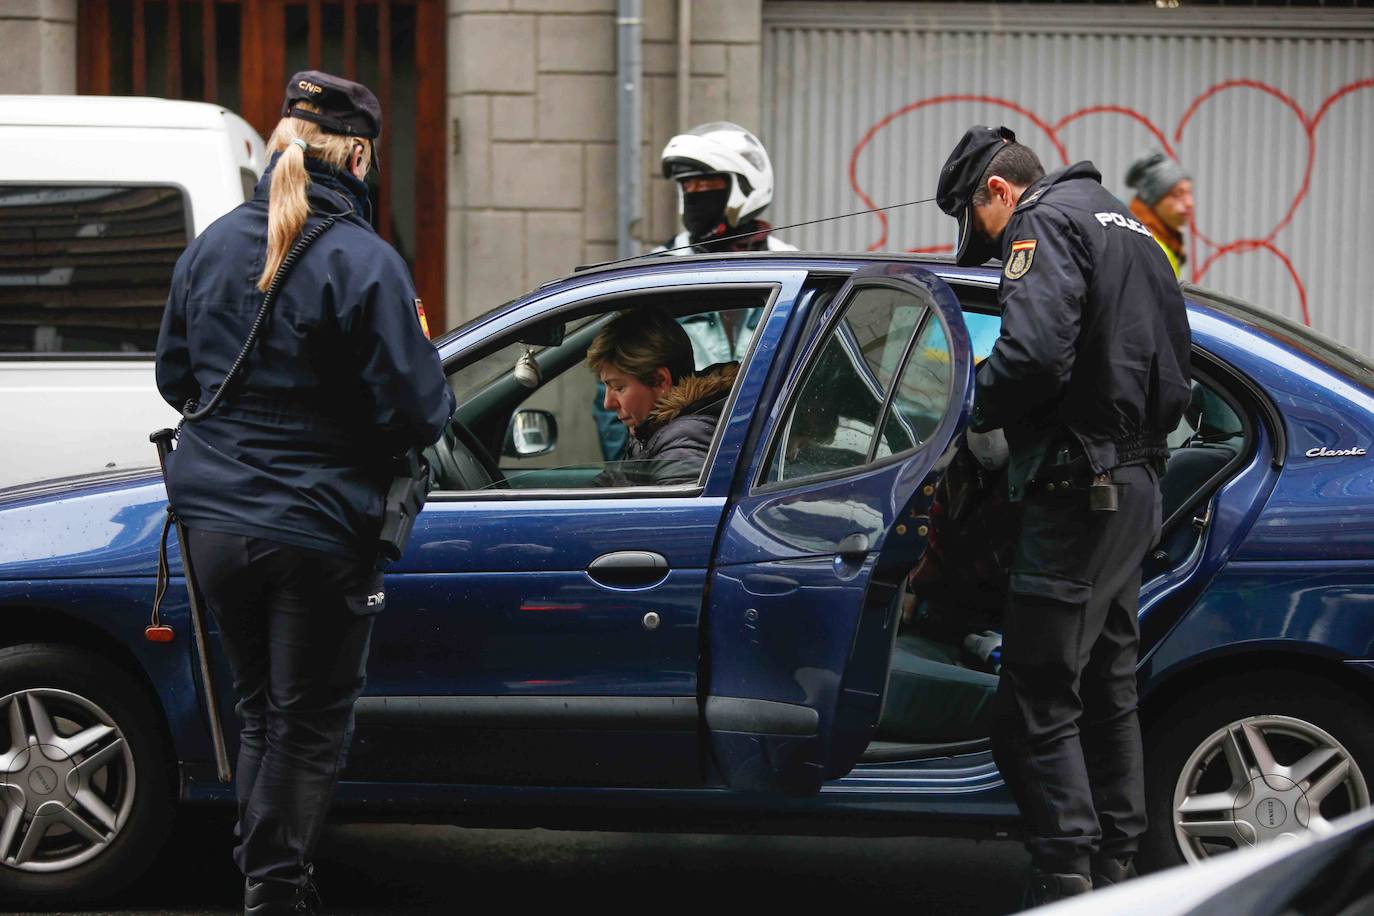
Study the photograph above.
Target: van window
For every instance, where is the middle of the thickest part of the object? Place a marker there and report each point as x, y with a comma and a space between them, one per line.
86, 268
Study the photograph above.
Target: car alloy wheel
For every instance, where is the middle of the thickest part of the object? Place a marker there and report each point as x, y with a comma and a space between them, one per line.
1252, 757
67, 781
1260, 779
86, 786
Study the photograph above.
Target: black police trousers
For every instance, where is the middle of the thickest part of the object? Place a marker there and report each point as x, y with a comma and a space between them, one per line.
296, 626
1065, 734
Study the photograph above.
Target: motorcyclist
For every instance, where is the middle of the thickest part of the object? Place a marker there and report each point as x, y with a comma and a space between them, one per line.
724, 181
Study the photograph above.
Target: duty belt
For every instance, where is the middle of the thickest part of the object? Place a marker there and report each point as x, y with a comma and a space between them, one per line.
1075, 474
1066, 466
1141, 449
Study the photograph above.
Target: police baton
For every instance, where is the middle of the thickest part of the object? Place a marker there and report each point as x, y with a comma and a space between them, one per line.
163, 440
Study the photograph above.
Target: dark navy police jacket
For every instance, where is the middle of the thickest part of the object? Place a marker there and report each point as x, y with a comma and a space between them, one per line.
1095, 340
342, 377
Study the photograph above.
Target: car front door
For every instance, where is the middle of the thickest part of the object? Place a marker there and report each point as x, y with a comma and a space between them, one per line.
831, 514
552, 637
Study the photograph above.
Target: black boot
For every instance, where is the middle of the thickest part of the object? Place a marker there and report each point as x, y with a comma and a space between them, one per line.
280, 898
268, 898
308, 902
1109, 870
1047, 888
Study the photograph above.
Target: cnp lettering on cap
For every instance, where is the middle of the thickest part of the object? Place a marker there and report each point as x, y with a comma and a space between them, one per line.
308, 86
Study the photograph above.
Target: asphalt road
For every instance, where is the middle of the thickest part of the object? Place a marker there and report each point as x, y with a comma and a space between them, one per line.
393, 869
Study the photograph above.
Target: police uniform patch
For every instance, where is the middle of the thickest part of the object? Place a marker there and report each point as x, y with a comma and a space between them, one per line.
1022, 253
420, 313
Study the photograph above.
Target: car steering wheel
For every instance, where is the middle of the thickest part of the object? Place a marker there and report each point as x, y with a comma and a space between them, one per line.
464, 461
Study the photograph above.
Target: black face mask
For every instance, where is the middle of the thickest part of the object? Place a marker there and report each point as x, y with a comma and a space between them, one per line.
703, 211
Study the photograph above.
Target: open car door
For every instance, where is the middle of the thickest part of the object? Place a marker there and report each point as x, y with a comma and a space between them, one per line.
806, 590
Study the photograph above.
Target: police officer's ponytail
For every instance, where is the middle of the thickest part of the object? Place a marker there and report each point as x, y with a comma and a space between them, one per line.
288, 206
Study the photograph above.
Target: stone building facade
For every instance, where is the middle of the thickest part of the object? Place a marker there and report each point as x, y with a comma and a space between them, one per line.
39, 42
532, 182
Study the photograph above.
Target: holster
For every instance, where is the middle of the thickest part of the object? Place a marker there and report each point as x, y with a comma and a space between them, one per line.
1064, 467
404, 499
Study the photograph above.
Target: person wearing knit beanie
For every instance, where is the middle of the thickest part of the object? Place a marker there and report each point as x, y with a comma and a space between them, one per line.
1163, 201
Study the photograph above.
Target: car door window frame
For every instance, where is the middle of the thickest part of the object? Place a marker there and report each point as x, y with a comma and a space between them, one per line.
829, 326
770, 291
891, 401
1220, 380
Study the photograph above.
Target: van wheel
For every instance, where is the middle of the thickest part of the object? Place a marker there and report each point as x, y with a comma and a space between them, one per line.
85, 789
1262, 757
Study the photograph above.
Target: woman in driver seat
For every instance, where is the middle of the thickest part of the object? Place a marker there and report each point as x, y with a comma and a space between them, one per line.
645, 360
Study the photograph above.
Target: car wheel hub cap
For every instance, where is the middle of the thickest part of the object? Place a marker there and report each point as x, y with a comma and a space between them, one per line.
1261, 779
1270, 807
66, 780
38, 776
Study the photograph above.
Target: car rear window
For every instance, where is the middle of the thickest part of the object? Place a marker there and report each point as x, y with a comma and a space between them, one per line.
85, 269
1335, 356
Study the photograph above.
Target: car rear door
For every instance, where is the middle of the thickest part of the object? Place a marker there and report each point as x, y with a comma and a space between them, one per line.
829, 516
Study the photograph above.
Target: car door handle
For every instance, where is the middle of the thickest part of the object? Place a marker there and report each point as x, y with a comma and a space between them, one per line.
853, 548
626, 568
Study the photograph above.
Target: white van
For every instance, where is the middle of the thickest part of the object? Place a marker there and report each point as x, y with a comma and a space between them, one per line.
98, 197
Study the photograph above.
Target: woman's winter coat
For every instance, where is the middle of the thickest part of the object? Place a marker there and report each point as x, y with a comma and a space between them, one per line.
670, 447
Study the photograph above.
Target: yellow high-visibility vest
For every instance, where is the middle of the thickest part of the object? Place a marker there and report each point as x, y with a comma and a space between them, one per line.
1169, 253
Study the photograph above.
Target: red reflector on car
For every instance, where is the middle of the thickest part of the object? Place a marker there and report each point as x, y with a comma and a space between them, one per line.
158, 634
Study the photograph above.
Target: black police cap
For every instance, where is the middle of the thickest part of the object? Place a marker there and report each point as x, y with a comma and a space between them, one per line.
959, 178
345, 107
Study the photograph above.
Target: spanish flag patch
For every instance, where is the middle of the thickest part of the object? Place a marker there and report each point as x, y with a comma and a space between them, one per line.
1022, 253
420, 313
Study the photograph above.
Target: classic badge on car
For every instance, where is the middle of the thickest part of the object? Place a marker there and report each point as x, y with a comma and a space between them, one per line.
1324, 452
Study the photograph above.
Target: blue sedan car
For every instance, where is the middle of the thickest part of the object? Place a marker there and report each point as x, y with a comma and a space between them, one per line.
730, 653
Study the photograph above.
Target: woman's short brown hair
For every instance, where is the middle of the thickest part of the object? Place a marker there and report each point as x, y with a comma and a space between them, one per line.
638, 342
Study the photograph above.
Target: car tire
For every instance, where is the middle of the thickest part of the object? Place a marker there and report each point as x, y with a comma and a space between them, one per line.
119, 784
1265, 755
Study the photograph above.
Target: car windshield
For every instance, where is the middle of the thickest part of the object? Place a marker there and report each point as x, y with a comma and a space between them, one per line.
1338, 357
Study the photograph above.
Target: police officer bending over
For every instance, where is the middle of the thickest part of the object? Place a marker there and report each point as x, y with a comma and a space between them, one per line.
1091, 372
281, 486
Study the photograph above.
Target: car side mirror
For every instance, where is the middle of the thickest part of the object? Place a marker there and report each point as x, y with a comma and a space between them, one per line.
532, 433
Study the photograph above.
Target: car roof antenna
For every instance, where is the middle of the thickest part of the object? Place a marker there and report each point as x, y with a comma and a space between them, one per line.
741, 235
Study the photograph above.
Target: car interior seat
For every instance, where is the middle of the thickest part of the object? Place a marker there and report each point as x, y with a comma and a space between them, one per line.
1219, 438
932, 697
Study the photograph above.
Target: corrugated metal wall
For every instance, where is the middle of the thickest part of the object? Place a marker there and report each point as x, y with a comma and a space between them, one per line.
1271, 110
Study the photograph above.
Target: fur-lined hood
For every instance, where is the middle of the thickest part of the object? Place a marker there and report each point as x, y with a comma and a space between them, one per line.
671, 446
711, 384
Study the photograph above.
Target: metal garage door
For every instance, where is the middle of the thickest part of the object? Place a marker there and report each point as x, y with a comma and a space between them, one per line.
1272, 110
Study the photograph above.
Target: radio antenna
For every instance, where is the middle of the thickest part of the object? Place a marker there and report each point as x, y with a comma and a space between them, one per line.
743, 235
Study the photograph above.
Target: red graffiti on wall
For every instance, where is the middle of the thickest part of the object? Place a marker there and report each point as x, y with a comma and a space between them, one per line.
1217, 250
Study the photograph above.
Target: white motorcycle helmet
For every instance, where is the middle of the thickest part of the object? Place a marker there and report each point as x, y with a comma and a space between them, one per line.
725, 148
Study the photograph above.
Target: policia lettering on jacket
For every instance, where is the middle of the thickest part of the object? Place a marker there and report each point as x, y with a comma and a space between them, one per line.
282, 486
1089, 375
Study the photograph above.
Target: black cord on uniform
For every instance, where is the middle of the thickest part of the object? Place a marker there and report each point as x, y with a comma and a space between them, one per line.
302, 243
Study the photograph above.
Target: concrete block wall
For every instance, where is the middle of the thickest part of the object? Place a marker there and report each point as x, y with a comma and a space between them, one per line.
38, 38
532, 101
